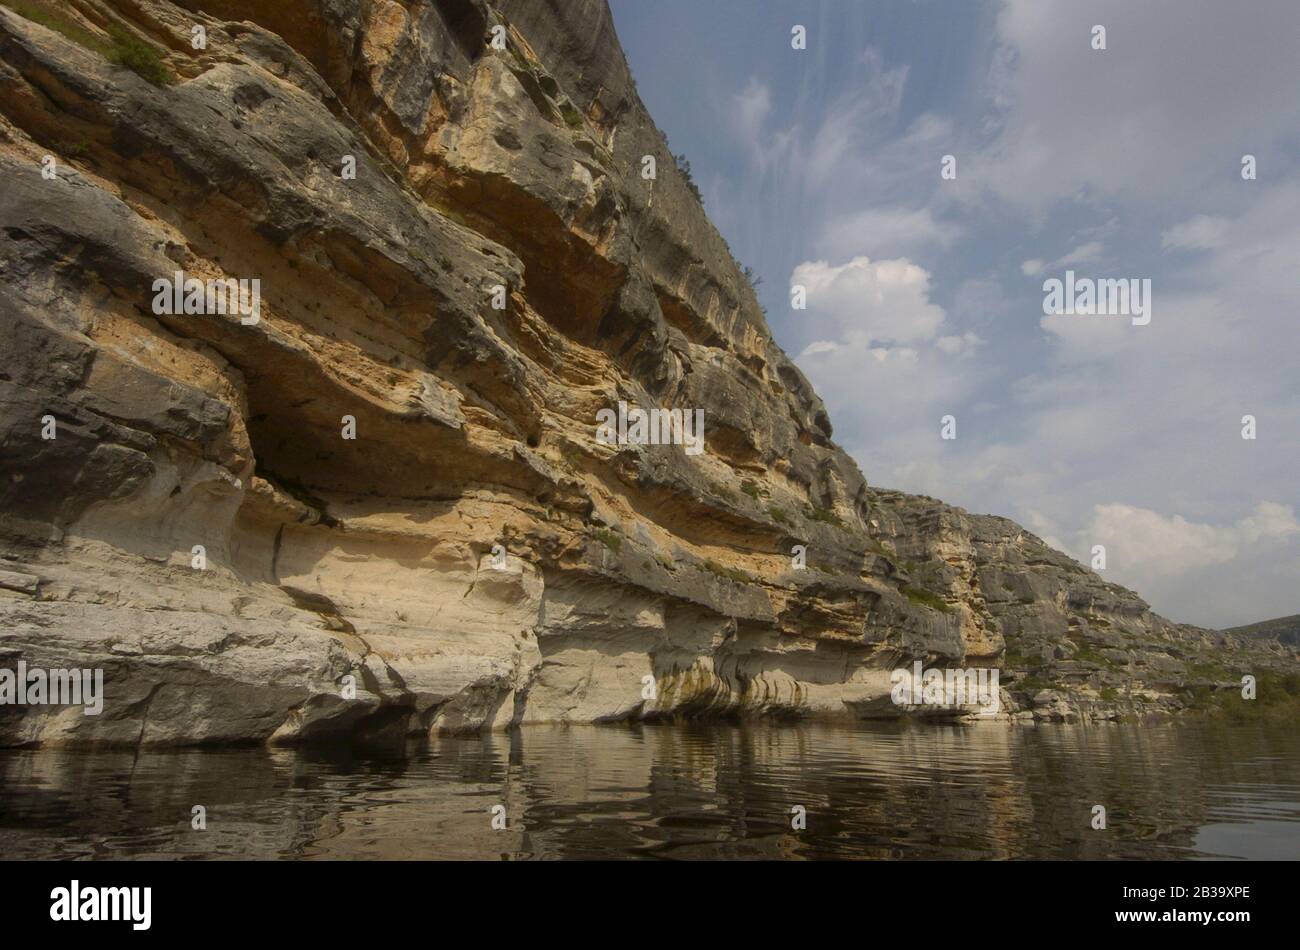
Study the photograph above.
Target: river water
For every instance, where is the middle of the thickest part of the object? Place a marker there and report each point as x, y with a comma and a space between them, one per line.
881, 790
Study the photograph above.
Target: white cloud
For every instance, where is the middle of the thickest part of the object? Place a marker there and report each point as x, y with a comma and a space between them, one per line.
819, 346
886, 301
891, 374
1083, 254
1144, 543
1089, 338
1196, 234
1213, 574
961, 345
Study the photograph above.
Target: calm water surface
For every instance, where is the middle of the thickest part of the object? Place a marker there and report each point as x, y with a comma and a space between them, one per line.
987, 790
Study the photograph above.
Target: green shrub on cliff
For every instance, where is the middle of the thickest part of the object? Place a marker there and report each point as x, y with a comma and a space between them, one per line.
608, 538
139, 57
926, 598
123, 49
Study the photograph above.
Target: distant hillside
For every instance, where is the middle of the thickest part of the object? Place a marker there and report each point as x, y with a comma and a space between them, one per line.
1283, 629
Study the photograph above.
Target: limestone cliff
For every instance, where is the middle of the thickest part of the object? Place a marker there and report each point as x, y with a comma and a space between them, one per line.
443, 204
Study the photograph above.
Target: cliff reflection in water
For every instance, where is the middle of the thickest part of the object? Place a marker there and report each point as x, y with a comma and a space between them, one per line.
726, 791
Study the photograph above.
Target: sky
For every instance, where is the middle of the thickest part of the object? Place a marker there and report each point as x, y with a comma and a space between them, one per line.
822, 167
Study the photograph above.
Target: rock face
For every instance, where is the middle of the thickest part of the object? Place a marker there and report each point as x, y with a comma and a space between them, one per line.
460, 263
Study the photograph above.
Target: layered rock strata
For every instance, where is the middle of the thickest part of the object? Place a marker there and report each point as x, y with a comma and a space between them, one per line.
378, 506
